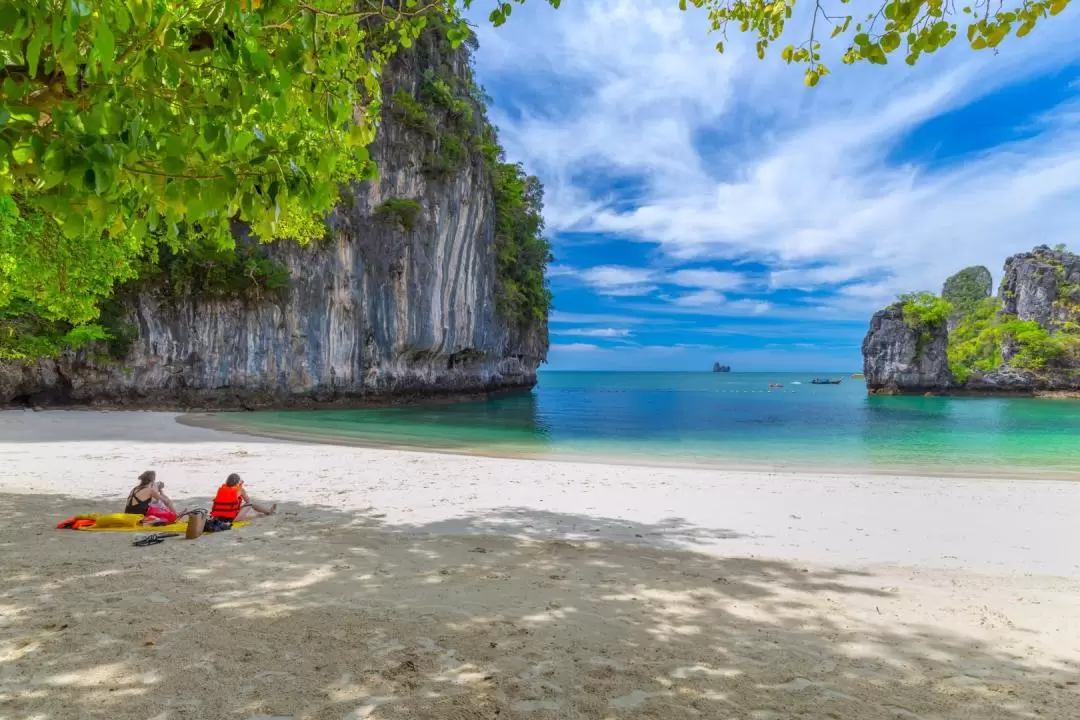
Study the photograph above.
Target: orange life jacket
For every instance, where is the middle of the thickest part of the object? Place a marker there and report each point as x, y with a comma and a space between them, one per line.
226, 503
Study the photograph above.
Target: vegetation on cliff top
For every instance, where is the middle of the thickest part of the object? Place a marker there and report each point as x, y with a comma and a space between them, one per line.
968, 288
924, 312
982, 335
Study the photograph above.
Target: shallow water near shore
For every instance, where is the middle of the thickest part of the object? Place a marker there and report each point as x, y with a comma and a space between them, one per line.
719, 419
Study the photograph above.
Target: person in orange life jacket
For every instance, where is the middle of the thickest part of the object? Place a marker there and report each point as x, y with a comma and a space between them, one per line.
232, 501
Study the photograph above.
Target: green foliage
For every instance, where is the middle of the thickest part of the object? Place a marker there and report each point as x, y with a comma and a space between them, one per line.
121, 333
914, 27
25, 333
400, 212
411, 112
967, 288
975, 341
1037, 348
205, 270
132, 125
42, 267
923, 312
522, 253
440, 92
125, 123
449, 156
975, 344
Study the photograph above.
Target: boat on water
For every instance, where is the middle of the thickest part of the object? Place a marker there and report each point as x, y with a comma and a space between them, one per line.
775, 385
825, 381
857, 376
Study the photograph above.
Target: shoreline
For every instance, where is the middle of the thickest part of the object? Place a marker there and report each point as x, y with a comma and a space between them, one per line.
39, 453
234, 401
404, 585
216, 421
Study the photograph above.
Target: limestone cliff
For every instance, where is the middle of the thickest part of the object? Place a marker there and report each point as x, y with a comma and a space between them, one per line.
899, 356
376, 309
1024, 341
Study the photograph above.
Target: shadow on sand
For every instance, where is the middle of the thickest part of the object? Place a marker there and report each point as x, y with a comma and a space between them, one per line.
323, 614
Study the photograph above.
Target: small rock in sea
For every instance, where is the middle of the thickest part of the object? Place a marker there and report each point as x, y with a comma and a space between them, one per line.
478, 550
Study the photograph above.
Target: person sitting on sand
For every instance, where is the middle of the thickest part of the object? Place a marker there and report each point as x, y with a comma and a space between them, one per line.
232, 500
160, 506
146, 492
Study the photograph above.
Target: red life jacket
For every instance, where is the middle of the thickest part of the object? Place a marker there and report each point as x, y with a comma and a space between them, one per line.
226, 503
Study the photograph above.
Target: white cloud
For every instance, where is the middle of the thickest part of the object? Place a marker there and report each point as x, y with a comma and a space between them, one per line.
702, 298
800, 180
620, 280
559, 317
615, 280
710, 302
704, 278
808, 278
574, 347
594, 332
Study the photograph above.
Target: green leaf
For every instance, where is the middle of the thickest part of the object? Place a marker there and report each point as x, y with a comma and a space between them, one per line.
890, 41
104, 45
122, 19
861, 39
33, 51
22, 152
174, 165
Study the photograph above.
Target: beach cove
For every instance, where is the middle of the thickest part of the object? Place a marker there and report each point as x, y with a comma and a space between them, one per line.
398, 584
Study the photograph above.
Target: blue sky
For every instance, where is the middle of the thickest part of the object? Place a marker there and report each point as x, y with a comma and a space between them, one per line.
710, 207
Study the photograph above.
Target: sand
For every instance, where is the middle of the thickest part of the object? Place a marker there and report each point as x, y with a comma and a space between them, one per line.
409, 585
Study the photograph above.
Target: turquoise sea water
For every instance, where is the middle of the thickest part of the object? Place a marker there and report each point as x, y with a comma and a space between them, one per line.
725, 419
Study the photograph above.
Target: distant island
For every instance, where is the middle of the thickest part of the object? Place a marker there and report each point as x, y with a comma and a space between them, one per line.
717, 367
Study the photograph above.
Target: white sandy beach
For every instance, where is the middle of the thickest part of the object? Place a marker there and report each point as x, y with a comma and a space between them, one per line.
413, 585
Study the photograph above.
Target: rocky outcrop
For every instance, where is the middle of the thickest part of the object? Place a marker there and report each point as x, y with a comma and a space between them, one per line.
1041, 286
965, 290
374, 311
900, 358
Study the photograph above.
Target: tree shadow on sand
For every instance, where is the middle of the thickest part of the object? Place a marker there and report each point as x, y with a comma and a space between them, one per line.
325, 614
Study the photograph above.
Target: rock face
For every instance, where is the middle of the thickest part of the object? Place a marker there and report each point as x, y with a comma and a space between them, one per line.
1042, 285
374, 310
897, 358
